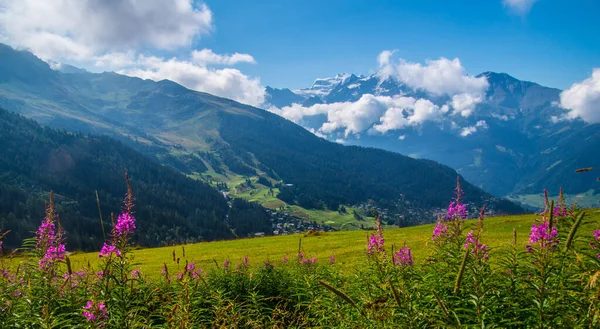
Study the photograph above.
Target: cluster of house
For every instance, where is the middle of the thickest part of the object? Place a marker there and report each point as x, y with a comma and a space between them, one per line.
284, 223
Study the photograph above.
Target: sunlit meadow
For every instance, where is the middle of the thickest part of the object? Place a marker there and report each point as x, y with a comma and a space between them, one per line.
537, 271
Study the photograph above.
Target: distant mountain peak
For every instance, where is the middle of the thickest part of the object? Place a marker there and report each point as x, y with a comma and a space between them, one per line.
65, 68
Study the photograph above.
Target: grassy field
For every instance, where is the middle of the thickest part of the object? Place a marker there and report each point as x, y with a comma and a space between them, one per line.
347, 247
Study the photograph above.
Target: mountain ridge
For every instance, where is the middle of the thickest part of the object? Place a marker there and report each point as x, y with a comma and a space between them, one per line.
196, 131
506, 146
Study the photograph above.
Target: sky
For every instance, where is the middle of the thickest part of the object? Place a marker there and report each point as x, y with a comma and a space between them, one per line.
552, 42
236, 48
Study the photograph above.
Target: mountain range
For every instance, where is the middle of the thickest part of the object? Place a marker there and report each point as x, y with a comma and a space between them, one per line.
213, 138
513, 144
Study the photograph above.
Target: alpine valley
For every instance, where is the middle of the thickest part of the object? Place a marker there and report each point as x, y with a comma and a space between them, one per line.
238, 149
514, 142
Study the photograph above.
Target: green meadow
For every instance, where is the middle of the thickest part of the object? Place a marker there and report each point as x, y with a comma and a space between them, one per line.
348, 247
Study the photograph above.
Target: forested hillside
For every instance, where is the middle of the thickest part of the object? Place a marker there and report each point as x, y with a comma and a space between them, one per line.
169, 207
324, 174
202, 134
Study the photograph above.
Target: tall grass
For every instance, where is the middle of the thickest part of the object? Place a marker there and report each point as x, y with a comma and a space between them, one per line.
552, 282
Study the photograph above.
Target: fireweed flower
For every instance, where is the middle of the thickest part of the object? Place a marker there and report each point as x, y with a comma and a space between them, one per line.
594, 244
136, 274
403, 257
45, 234
246, 261
440, 231
560, 211
226, 264
375, 243
307, 261
107, 250
332, 260
456, 210
125, 225
94, 312
284, 259
300, 256
478, 248
190, 267
542, 235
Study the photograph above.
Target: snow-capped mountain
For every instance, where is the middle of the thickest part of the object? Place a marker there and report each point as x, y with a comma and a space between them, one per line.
323, 86
511, 142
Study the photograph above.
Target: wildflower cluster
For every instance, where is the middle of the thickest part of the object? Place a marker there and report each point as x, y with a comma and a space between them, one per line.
454, 287
403, 257
375, 243
122, 230
50, 244
450, 225
543, 235
95, 312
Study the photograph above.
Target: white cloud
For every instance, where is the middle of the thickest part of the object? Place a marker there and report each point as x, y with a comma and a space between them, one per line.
439, 77
583, 99
442, 76
374, 114
392, 119
520, 7
501, 117
116, 35
207, 57
468, 131
464, 104
76, 28
480, 125
402, 137
227, 82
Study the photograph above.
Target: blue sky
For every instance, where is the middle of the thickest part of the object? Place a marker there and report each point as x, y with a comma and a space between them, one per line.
235, 48
556, 43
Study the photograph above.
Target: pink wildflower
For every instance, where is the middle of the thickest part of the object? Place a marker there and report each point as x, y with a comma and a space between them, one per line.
226, 264
456, 210
440, 231
478, 248
107, 250
543, 236
125, 225
94, 312
403, 257
190, 267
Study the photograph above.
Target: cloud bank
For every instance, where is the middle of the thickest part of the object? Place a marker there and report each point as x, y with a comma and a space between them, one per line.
119, 35
439, 77
582, 100
377, 114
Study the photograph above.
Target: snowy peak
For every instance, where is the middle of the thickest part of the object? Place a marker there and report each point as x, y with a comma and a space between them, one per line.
323, 86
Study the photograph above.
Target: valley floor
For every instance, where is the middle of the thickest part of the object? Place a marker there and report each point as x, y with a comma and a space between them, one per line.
348, 247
